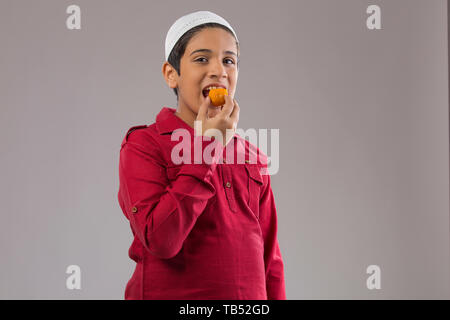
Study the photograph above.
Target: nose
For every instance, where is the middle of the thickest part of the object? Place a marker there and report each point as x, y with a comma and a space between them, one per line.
217, 69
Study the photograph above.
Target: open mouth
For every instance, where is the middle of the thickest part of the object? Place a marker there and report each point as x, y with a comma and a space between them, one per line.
205, 91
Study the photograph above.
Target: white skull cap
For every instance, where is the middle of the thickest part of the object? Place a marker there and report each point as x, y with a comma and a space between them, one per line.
189, 21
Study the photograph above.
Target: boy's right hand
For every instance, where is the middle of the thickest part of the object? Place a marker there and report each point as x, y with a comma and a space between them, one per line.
227, 118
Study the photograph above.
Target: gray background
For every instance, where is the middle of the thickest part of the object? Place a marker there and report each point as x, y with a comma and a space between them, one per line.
364, 139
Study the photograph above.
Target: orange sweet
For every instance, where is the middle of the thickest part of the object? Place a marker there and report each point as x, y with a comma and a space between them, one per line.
218, 96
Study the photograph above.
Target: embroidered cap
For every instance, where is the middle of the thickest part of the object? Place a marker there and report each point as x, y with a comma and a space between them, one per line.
189, 21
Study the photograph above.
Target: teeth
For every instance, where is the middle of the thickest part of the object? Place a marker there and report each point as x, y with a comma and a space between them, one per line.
209, 88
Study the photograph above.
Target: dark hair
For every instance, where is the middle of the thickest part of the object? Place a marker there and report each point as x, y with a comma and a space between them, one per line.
180, 47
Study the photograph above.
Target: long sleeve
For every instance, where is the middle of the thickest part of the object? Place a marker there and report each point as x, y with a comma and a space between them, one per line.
161, 214
275, 284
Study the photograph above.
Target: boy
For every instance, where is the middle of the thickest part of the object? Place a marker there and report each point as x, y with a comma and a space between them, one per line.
201, 230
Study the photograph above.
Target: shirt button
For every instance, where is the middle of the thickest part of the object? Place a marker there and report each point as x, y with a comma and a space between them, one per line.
228, 184
134, 210
247, 161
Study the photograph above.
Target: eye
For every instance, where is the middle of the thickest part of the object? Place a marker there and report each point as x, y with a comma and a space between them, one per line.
227, 59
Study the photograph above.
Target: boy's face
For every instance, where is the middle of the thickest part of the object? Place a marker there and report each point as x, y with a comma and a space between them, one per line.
202, 68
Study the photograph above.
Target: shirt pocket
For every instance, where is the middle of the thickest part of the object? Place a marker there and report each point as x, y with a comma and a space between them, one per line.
254, 185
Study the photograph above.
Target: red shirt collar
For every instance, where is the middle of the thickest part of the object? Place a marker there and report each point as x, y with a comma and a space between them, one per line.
167, 121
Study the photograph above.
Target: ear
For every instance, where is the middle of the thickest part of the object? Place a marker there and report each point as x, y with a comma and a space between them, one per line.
170, 75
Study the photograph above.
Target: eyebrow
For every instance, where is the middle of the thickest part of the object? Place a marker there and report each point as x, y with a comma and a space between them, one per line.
210, 51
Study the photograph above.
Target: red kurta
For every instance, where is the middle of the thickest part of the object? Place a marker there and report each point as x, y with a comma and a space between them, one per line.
201, 231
